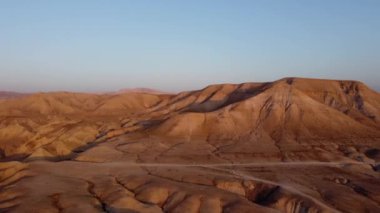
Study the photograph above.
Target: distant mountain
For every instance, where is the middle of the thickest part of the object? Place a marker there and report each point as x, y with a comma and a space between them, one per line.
141, 90
9, 95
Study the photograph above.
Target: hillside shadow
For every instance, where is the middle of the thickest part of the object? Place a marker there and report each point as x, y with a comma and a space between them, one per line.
237, 95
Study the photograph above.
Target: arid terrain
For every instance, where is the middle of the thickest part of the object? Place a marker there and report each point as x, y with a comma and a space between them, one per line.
292, 145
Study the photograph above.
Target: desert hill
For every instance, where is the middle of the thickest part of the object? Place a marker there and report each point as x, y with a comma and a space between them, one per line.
292, 145
62, 120
273, 118
77, 103
295, 107
271, 115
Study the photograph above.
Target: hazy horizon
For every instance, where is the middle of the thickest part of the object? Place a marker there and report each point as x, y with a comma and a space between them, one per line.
97, 46
95, 91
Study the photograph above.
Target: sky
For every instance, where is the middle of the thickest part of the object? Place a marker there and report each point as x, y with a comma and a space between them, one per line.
98, 45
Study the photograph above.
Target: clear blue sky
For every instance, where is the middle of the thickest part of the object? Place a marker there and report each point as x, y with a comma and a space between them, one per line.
178, 45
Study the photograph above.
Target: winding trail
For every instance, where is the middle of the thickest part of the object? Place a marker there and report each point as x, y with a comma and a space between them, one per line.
284, 186
255, 164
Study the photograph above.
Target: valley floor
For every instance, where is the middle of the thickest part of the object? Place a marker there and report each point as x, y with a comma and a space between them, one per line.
102, 178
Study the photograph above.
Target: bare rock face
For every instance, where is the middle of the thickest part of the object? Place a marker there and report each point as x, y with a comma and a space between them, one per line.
153, 194
292, 145
231, 186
